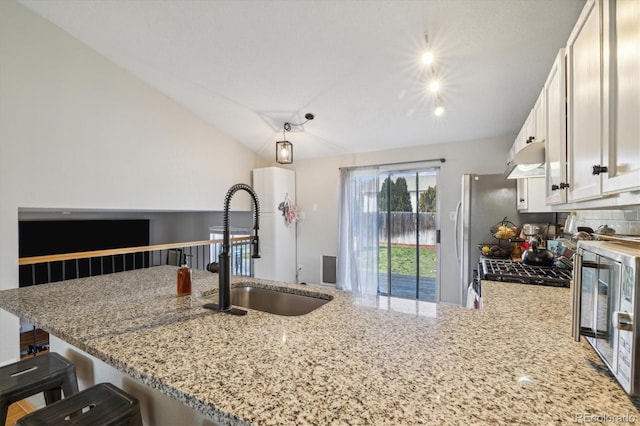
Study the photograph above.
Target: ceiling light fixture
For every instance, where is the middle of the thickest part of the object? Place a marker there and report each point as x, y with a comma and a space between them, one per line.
439, 109
434, 86
427, 56
284, 148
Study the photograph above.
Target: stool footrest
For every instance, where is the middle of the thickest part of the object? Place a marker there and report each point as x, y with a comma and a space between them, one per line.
99, 405
48, 373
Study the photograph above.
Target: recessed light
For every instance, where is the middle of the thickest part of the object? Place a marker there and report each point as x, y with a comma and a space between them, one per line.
439, 110
434, 86
427, 57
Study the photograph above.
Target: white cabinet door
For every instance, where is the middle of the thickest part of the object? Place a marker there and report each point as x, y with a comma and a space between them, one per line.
556, 139
621, 148
584, 121
531, 195
521, 193
530, 129
519, 143
539, 112
536, 201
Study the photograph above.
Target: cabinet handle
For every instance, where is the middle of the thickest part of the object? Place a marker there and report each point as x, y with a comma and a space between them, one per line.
530, 139
563, 185
599, 169
554, 187
522, 200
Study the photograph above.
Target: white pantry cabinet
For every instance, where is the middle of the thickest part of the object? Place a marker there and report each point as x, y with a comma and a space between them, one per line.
277, 238
621, 145
584, 104
556, 135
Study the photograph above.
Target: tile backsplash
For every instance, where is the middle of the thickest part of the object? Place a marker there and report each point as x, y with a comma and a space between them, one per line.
625, 221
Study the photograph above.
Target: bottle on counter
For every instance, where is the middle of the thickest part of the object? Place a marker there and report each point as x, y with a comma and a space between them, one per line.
183, 278
570, 225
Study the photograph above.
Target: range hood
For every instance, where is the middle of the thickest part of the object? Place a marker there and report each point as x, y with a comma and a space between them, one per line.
526, 162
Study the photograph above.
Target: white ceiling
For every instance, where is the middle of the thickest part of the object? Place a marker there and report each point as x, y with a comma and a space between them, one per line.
247, 66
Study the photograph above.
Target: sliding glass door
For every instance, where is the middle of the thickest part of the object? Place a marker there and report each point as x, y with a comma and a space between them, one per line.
408, 234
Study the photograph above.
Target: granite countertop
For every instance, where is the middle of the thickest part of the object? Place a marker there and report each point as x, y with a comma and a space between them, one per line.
348, 362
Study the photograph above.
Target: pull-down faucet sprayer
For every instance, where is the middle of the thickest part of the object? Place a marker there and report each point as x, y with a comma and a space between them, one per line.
224, 273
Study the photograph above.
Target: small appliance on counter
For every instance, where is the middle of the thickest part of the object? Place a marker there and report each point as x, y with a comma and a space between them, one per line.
537, 256
531, 232
605, 306
540, 232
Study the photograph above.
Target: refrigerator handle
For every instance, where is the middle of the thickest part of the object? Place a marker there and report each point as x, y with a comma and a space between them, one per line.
457, 232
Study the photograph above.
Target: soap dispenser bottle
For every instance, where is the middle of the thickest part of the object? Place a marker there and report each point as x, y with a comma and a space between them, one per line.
183, 278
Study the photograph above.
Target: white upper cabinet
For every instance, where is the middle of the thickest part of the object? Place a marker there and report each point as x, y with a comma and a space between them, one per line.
539, 112
531, 197
621, 145
530, 129
522, 194
584, 104
556, 135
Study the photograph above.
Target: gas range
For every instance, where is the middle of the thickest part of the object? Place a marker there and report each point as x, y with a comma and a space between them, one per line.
508, 270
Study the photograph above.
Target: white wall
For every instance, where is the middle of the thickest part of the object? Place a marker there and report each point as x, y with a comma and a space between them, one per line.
624, 221
77, 131
318, 190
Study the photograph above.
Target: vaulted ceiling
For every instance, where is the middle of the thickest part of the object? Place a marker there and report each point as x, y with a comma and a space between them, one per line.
249, 66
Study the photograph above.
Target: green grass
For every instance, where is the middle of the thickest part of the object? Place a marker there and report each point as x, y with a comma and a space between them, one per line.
403, 261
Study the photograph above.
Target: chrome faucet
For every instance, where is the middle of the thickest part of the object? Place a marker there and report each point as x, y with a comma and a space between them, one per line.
224, 259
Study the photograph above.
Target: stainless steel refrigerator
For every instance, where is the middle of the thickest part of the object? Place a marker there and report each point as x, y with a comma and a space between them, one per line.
485, 201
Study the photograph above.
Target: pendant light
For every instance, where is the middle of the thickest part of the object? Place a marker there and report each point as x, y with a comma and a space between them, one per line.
284, 148
284, 151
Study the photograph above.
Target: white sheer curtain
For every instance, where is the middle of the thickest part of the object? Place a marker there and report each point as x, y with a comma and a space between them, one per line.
358, 232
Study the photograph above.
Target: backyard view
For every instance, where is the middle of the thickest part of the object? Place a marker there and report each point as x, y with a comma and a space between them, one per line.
404, 260
407, 216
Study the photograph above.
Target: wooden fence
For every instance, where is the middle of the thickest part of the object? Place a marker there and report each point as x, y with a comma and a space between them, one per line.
404, 226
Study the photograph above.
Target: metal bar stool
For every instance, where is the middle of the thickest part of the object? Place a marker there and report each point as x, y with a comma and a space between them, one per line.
99, 405
48, 373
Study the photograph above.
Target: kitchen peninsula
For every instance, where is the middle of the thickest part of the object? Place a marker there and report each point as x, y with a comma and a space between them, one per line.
348, 362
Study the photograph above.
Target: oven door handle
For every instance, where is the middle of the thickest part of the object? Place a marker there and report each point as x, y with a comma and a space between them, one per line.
593, 265
577, 299
596, 334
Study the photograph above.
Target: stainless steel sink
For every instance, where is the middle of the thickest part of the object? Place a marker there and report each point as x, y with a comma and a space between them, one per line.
276, 302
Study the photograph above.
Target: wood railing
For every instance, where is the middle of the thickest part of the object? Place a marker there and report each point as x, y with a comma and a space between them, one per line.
60, 267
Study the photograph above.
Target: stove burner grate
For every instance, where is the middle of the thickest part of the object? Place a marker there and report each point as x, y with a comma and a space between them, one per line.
507, 270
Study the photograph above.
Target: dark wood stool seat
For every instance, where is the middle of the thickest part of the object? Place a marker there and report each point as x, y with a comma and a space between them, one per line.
49, 373
99, 405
